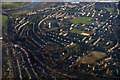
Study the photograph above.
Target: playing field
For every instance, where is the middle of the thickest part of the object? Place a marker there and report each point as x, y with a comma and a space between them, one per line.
81, 20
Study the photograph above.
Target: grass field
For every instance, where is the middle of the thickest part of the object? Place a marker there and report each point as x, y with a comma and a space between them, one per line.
91, 58
81, 20
77, 31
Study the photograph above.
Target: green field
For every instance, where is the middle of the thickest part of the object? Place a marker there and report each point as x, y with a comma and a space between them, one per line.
81, 20
77, 31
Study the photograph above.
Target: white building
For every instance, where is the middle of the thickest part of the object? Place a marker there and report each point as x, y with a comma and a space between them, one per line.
49, 25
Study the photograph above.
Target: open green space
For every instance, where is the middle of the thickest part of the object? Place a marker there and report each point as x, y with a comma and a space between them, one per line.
77, 31
91, 58
81, 20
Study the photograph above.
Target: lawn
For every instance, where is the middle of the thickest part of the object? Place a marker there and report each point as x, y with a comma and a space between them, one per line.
81, 20
77, 31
